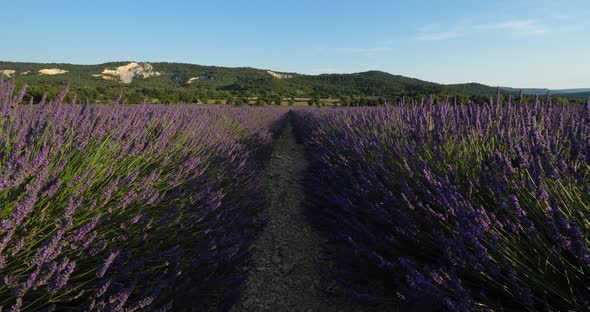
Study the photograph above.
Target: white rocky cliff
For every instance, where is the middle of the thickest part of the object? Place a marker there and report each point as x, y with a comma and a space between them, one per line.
52, 71
128, 73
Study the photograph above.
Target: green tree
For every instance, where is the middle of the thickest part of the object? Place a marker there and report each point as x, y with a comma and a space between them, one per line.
277, 100
230, 100
315, 100
345, 101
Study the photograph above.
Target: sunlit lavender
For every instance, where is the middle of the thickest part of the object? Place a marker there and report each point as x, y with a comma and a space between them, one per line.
113, 207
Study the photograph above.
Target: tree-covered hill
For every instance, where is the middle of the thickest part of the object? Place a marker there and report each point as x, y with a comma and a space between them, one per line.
176, 82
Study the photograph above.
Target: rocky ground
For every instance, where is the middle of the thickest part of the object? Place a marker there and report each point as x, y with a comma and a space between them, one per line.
287, 253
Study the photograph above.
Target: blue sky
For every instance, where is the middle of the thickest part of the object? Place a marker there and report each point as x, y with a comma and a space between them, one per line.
519, 43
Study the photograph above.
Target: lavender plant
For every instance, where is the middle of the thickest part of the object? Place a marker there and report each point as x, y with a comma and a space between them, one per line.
112, 207
438, 206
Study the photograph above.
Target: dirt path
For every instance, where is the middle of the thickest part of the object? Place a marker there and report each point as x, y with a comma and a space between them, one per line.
284, 277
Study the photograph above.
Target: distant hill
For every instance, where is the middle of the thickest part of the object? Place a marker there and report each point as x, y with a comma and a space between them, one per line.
557, 92
475, 88
528, 91
571, 91
580, 95
178, 82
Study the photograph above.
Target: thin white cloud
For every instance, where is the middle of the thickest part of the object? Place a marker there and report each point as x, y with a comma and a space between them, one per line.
365, 50
560, 15
437, 36
526, 27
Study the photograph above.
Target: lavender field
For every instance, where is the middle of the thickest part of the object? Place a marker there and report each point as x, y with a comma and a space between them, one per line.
436, 206
127, 208
421, 206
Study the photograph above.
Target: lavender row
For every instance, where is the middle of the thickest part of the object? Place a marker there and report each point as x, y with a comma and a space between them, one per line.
444, 207
112, 208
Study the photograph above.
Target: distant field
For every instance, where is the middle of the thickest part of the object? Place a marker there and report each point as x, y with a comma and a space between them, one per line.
284, 102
